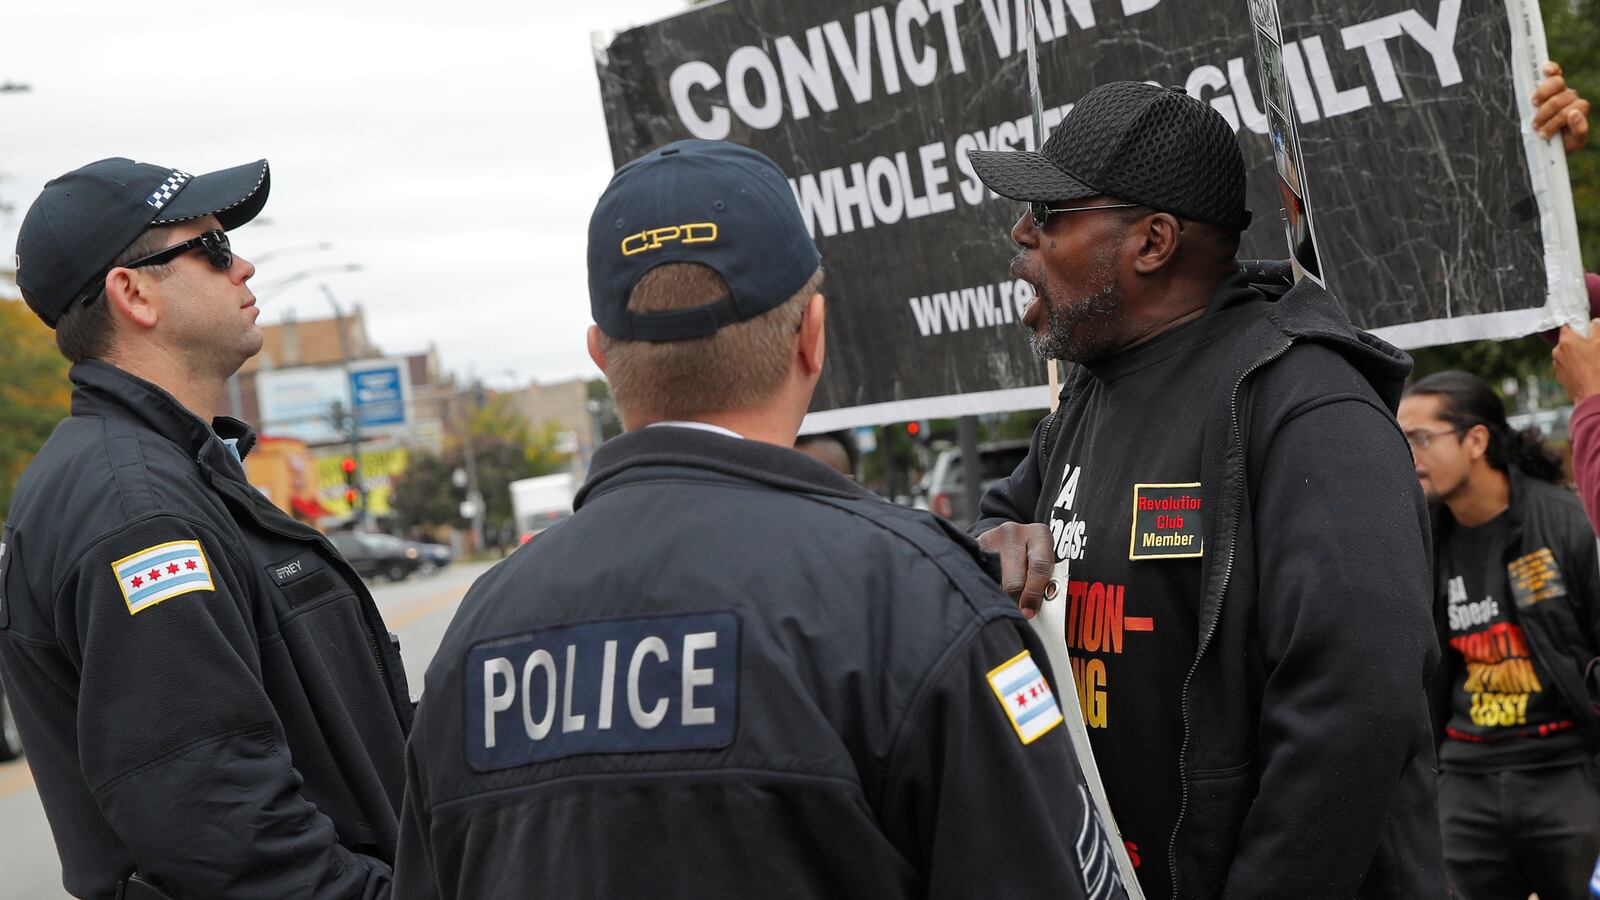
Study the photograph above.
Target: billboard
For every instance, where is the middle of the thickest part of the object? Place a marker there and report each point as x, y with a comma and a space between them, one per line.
378, 395
1439, 213
310, 402
378, 470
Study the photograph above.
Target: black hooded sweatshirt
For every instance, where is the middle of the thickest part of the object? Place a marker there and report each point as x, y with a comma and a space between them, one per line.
1306, 766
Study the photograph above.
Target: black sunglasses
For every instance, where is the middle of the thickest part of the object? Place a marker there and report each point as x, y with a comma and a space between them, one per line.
1040, 212
215, 243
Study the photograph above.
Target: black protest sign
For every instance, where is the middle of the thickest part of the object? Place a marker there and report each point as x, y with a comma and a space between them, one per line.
1407, 121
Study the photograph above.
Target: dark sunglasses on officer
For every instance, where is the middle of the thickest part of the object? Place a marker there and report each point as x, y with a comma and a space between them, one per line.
215, 244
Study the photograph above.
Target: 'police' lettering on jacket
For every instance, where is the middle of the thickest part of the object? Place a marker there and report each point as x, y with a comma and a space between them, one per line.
609, 686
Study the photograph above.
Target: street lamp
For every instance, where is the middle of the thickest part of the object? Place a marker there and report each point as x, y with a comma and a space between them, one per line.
273, 287
470, 457
276, 252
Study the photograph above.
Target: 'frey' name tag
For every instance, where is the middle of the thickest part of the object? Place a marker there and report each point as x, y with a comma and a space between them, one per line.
1166, 521
610, 686
292, 570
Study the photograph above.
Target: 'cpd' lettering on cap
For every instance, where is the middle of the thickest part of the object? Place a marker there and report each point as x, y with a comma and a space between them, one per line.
654, 238
610, 686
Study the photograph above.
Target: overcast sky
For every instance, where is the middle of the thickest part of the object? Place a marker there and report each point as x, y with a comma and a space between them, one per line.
454, 150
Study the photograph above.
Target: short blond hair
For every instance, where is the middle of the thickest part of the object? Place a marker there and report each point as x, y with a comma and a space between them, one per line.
740, 366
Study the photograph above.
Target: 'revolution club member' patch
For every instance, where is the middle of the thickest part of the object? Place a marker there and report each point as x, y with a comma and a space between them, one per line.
1025, 696
162, 572
609, 686
1166, 521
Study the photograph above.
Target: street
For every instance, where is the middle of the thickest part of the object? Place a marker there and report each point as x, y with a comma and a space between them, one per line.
418, 609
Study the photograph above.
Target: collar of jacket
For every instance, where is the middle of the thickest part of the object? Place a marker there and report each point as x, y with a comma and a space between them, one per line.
1444, 521
769, 464
101, 389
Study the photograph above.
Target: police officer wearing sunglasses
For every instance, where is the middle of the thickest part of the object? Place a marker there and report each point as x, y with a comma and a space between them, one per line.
209, 700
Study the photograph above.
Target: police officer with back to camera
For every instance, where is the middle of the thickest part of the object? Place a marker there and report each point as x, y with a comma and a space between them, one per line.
733, 672
205, 688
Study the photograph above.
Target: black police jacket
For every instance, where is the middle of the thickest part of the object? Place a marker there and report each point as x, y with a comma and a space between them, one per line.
204, 687
1308, 756
733, 673
1553, 566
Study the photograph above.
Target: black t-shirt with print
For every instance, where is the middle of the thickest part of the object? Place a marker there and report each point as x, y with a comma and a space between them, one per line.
1504, 713
1127, 516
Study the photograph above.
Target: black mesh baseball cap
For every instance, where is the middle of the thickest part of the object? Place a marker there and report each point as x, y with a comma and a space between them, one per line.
1155, 146
86, 217
709, 202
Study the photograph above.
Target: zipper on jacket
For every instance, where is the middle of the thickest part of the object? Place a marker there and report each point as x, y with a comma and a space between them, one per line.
1044, 442
1205, 639
377, 654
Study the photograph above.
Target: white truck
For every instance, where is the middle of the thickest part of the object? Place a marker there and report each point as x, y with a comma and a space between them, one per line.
538, 503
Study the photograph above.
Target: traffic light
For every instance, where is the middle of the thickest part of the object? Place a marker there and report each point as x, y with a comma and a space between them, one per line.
913, 428
352, 480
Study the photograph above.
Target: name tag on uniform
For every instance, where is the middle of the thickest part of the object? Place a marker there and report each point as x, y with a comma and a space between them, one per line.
1166, 521
303, 578
291, 570
612, 686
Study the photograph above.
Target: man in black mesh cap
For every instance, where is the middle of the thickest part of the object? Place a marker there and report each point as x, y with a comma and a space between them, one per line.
1249, 597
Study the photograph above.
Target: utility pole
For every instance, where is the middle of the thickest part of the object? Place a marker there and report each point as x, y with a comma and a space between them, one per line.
886, 447
470, 462
971, 468
353, 420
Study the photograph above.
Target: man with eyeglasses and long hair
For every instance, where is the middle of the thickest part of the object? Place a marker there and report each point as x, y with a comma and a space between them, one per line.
1517, 603
210, 703
1248, 590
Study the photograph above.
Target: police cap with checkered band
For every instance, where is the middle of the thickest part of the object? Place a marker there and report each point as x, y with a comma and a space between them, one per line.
85, 218
714, 203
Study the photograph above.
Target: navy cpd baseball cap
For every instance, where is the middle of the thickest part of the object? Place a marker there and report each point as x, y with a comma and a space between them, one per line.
709, 202
82, 220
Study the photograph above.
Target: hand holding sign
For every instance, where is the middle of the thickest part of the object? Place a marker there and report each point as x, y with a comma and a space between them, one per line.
1558, 109
1026, 560
1577, 356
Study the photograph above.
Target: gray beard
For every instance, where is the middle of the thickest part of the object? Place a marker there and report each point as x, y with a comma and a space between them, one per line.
1079, 332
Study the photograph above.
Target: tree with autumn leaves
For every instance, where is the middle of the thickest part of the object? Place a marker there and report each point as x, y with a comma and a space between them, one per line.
505, 447
34, 391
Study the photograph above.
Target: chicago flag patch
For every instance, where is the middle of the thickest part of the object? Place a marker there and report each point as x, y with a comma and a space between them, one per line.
1025, 696
162, 572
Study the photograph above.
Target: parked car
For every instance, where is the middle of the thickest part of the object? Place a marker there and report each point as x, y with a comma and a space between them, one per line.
10, 740
377, 554
434, 557
943, 483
